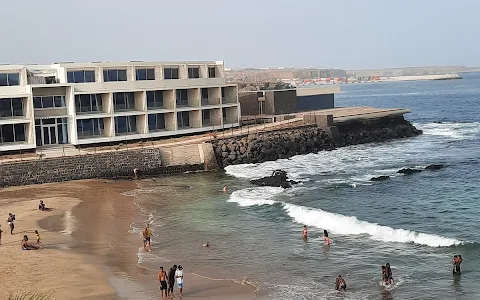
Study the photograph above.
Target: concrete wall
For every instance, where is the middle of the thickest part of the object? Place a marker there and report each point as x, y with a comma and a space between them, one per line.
248, 103
315, 102
113, 164
285, 102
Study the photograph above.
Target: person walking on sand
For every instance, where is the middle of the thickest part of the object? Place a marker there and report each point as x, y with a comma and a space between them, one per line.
179, 277
11, 222
305, 232
162, 279
37, 235
146, 234
171, 280
1, 234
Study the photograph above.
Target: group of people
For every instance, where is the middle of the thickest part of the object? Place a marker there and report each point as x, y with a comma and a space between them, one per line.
173, 274
166, 281
456, 261
327, 240
25, 243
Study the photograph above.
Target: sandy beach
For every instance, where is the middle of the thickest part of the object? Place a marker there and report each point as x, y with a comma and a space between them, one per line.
88, 252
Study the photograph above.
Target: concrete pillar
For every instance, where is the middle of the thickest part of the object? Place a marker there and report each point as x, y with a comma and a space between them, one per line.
170, 121
107, 103
195, 118
207, 156
142, 126
324, 121
214, 95
169, 99
194, 96
140, 101
109, 126
159, 72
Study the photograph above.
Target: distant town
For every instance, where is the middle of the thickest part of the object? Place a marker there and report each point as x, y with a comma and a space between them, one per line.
290, 76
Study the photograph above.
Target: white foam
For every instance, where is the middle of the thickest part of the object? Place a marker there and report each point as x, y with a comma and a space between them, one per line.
255, 196
451, 130
350, 225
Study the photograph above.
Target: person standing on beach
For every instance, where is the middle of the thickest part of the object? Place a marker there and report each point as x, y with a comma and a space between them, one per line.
171, 279
37, 235
11, 222
1, 234
179, 276
305, 232
146, 234
162, 279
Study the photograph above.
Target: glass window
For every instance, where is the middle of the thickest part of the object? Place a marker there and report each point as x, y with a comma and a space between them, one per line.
156, 122
59, 101
37, 102
183, 119
182, 97
88, 103
89, 76
3, 79
47, 102
204, 93
212, 72
170, 73
6, 107
79, 76
17, 106
154, 99
19, 132
70, 77
193, 72
206, 117
8, 134
145, 74
114, 75
125, 124
90, 127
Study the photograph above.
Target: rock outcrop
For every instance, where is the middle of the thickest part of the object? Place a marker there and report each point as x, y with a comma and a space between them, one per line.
278, 178
434, 167
409, 171
380, 178
273, 145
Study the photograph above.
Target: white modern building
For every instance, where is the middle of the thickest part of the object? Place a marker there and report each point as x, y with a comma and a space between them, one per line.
99, 102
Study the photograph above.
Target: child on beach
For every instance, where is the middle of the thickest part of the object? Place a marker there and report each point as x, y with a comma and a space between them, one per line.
37, 235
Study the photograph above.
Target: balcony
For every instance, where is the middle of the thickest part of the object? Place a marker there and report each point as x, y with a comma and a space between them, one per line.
229, 100
211, 101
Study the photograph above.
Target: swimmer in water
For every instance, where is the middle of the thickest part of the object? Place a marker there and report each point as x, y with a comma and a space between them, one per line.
326, 238
225, 189
305, 232
388, 271
340, 284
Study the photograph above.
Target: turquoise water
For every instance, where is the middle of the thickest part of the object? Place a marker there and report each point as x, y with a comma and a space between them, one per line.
417, 222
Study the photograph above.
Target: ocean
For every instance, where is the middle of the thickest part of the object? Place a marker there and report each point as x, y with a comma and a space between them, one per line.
416, 222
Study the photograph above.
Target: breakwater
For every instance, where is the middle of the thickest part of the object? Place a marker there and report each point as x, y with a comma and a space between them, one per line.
267, 146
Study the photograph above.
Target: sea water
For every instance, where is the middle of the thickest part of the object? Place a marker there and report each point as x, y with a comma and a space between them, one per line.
416, 222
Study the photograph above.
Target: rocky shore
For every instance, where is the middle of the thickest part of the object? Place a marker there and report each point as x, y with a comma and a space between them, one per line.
260, 147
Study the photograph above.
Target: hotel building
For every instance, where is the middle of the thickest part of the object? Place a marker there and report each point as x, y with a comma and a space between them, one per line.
100, 102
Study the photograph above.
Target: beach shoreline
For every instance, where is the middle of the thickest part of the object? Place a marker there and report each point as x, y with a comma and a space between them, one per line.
88, 252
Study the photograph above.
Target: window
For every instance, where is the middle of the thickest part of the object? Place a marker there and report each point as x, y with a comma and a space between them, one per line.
156, 122
206, 117
51, 131
80, 76
9, 79
145, 74
204, 92
49, 102
11, 107
124, 125
182, 97
90, 127
12, 133
154, 99
212, 72
114, 75
193, 72
88, 103
170, 73
224, 114
124, 101
183, 119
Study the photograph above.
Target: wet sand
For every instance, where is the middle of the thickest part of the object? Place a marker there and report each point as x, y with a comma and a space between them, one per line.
88, 252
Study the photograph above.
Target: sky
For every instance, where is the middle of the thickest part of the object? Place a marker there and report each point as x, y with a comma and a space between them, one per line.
347, 34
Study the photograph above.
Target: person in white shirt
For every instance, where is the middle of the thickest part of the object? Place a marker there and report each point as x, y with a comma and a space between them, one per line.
179, 276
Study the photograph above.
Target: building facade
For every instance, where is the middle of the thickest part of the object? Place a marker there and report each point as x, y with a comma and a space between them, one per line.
89, 103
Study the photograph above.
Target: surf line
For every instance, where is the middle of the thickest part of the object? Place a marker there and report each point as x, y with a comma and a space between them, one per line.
340, 224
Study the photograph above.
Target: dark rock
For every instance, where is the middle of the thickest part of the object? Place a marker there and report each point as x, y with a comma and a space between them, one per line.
380, 178
408, 171
278, 178
434, 167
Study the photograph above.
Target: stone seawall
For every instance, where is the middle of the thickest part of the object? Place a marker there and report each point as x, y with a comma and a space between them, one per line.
260, 147
108, 165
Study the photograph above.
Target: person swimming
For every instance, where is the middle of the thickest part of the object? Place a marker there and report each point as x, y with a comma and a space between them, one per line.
385, 278
340, 284
456, 261
304, 232
388, 272
225, 189
326, 238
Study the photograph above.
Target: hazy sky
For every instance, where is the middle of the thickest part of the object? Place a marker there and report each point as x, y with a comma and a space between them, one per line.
318, 33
